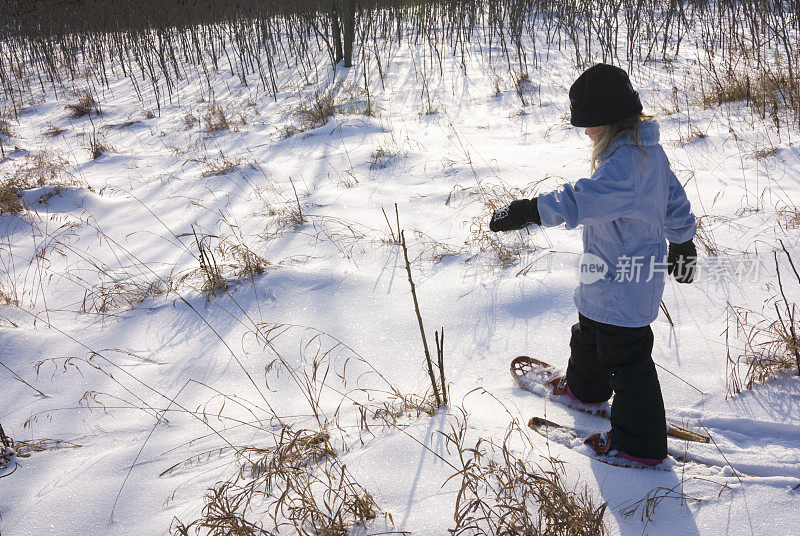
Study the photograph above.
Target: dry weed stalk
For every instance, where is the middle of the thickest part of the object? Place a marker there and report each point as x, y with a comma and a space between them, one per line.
437, 389
506, 246
652, 499
213, 281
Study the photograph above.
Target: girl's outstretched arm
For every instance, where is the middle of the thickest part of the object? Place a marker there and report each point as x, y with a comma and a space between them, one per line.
608, 194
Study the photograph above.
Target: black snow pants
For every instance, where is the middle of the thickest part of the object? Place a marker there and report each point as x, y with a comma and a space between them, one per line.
605, 359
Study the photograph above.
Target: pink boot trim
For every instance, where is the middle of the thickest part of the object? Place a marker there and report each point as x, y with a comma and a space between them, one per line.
575, 398
650, 462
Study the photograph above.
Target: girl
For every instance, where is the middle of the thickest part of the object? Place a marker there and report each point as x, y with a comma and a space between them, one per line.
628, 207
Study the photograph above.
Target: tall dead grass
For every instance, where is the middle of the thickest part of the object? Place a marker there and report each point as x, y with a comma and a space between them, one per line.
502, 493
770, 337
299, 484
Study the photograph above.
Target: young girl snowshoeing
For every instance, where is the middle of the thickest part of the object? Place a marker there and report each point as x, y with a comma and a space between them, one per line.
629, 207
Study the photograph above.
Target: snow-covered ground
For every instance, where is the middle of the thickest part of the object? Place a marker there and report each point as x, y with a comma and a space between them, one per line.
156, 389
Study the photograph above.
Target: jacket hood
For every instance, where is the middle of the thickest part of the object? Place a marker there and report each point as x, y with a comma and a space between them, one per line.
649, 135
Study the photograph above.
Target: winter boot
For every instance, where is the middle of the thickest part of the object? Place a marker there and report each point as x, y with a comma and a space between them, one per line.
601, 444
560, 387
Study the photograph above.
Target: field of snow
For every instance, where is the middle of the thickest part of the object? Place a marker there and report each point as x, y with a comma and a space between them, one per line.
139, 387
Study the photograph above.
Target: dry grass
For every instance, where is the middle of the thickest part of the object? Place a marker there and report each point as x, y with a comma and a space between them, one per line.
705, 237
10, 450
790, 217
40, 169
9, 201
764, 152
189, 121
648, 504
299, 485
694, 134
771, 337
220, 166
53, 131
287, 131
122, 294
316, 114
228, 261
524, 86
96, 145
381, 158
86, 105
245, 262
8, 298
508, 247
213, 280
765, 91
502, 493
214, 119
5, 128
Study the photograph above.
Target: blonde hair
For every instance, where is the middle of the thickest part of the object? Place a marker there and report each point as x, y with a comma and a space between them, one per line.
613, 131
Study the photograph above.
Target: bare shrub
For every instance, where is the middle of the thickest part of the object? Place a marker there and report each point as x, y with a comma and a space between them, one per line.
321, 108
96, 145
86, 105
214, 119
381, 158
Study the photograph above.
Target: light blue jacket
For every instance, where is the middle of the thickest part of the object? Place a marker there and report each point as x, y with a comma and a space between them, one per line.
628, 207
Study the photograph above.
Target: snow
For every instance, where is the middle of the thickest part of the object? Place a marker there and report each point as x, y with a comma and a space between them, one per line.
140, 386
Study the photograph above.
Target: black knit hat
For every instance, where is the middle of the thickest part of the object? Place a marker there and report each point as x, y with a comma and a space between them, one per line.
602, 95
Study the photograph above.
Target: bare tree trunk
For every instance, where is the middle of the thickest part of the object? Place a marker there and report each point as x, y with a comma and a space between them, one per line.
349, 23
336, 31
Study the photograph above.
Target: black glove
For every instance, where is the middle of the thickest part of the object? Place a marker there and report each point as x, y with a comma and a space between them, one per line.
682, 260
517, 215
